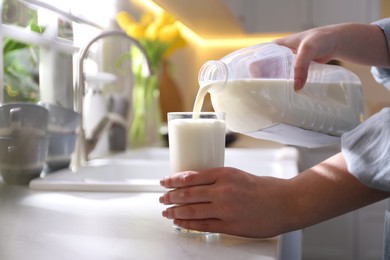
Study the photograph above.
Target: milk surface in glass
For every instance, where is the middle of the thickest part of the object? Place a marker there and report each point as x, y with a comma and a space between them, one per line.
196, 141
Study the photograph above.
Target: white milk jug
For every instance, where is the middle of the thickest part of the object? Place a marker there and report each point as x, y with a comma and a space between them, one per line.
254, 87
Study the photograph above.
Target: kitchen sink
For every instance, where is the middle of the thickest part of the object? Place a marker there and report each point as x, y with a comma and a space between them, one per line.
141, 169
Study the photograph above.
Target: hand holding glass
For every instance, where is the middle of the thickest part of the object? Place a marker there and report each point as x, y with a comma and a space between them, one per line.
196, 142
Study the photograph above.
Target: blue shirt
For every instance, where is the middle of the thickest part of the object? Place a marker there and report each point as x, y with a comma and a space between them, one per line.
367, 148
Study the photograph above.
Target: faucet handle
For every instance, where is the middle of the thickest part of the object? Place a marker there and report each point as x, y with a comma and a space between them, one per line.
106, 122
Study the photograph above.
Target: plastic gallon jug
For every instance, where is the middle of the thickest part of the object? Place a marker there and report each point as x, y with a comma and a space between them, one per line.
254, 87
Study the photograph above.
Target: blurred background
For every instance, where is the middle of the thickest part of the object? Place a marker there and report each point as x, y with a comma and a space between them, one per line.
41, 41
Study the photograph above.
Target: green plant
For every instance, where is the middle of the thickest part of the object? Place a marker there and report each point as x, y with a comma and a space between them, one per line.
19, 62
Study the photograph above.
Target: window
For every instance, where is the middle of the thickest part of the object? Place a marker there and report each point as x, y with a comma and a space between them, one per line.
38, 49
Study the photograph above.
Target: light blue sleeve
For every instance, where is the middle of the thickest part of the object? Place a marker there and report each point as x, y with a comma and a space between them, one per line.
367, 151
367, 147
382, 75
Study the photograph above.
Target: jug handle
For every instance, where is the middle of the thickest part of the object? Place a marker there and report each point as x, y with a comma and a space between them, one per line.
103, 124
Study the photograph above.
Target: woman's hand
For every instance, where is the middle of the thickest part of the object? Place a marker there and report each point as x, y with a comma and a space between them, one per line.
227, 200
351, 42
312, 45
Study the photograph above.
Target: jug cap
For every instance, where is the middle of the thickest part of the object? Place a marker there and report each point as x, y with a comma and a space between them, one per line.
213, 72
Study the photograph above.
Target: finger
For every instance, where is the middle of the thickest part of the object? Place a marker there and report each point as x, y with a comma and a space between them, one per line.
191, 211
301, 67
206, 225
302, 60
300, 77
194, 194
225, 227
189, 178
290, 42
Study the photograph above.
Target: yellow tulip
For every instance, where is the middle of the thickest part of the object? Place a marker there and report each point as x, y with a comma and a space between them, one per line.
168, 33
181, 42
178, 43
124, 20
160, 33
164, 19
136, 31
152, 31
147, 18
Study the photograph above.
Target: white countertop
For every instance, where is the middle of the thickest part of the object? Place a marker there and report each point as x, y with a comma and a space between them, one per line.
47, 225
107, 225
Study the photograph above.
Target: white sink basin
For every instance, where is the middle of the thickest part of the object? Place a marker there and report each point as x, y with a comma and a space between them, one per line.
141, 170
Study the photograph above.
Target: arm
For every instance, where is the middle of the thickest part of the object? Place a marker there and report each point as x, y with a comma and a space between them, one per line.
227, 200
351, 42
329, 190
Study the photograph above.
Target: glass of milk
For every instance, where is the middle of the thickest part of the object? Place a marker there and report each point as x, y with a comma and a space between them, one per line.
196, 142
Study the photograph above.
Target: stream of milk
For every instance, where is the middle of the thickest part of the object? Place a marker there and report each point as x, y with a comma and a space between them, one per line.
198, 104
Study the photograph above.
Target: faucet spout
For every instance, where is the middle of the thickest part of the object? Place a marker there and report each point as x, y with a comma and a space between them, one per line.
82, 149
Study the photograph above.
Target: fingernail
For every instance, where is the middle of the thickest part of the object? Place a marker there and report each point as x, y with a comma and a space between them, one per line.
161, 199
162, 181
298, 85
165, 214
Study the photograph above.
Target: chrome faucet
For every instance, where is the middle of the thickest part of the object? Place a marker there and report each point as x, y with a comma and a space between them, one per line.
85, 146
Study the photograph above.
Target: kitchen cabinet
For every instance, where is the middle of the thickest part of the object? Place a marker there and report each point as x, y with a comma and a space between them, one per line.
340, 11
264, 16
355, 236
370, 223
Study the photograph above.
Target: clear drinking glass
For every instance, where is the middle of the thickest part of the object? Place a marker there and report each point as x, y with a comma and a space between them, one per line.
196, 142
